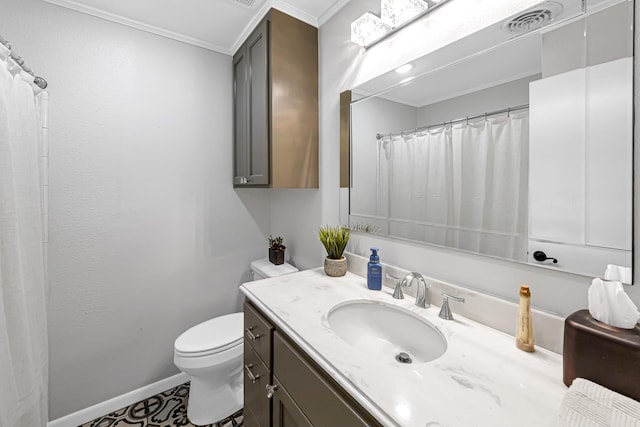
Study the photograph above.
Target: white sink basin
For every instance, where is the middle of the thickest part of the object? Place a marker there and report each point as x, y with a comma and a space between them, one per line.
386, 331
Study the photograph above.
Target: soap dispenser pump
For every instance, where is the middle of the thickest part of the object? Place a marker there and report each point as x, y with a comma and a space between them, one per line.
374, 271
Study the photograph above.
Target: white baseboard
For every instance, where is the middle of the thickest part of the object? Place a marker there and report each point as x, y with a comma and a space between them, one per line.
92, 412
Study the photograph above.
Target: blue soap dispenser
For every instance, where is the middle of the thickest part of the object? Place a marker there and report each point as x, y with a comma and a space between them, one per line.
374, 271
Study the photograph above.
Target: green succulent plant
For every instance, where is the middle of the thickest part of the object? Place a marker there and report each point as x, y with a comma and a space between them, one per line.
334, 239
275, 243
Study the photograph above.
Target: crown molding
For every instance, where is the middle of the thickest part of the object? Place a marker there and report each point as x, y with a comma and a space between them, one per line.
281, 5
284, 6
253, 23
328, 14
99, 13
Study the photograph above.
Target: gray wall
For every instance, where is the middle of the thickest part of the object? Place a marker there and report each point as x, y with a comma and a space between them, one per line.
147, 235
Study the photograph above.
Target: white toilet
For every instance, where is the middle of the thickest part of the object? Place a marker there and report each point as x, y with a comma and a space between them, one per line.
211, 353
264, 269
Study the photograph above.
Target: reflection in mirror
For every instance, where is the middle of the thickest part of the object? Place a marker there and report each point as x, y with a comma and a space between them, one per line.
521, 147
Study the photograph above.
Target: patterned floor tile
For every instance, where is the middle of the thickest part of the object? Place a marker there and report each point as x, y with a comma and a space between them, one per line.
173, 408
117, 418
167, 409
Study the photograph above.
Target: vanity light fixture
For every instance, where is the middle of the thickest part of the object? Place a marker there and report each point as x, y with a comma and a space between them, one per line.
404, 68
370, 29
397, 12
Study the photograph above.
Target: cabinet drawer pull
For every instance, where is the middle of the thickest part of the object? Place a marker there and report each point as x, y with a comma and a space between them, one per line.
271, 389
253, 377
250, 334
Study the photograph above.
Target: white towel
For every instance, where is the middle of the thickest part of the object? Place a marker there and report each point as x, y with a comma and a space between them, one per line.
618, 273
588, 404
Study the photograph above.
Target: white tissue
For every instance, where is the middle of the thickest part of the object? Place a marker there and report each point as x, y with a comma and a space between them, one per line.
618, 274
610, 304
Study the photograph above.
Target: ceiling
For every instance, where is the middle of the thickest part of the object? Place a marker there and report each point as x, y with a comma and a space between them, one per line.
219, 25
511, 61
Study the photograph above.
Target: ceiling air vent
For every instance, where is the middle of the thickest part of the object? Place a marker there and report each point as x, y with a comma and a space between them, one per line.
246, 3
533, 19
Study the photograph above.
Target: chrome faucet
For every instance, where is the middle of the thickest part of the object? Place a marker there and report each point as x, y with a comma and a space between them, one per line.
422, 299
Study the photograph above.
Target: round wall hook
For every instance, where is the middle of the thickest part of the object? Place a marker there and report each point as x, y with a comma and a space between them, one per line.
541, 257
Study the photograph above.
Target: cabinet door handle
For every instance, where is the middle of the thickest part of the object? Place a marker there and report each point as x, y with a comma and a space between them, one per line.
253, 377
271, 389
242, 180
250, 334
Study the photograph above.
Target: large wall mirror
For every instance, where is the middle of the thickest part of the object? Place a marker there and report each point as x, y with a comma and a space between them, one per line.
514, 143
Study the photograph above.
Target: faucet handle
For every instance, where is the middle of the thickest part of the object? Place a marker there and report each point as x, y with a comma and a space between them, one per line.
397, 291
445, 310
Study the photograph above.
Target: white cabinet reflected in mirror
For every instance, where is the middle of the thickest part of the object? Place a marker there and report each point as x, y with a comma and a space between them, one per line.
521, 149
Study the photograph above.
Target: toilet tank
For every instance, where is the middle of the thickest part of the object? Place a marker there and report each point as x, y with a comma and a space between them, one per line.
264, 269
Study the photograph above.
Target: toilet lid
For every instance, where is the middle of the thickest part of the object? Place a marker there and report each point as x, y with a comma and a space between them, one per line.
266, 269
212, 336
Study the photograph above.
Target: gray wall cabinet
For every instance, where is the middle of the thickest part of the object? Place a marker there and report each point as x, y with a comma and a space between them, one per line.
275, 90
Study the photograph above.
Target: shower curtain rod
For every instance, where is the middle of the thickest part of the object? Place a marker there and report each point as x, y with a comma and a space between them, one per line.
451, 122
39, 81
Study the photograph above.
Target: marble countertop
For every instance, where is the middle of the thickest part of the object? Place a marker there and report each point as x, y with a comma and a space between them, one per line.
481, 380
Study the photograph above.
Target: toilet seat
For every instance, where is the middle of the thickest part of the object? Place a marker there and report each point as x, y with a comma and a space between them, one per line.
213, 336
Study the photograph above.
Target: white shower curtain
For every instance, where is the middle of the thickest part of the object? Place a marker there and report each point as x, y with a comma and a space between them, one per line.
463, 186
23, 328
420, 180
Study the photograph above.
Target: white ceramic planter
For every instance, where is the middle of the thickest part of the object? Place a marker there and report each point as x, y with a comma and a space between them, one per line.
335, 267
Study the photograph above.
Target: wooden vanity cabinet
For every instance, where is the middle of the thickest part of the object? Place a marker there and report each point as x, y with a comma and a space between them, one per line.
317, 397
304, 395
258, 338
275, 92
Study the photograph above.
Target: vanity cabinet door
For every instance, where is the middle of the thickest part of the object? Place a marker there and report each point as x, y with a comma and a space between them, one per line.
240, 119
251, 110
322, 402
258, 138
257, 406
285, 411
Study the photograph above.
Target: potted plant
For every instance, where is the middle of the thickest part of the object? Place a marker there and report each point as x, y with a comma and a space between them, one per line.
276, 250
335, 240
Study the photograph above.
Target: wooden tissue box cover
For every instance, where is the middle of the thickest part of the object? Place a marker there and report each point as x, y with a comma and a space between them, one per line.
601, 353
